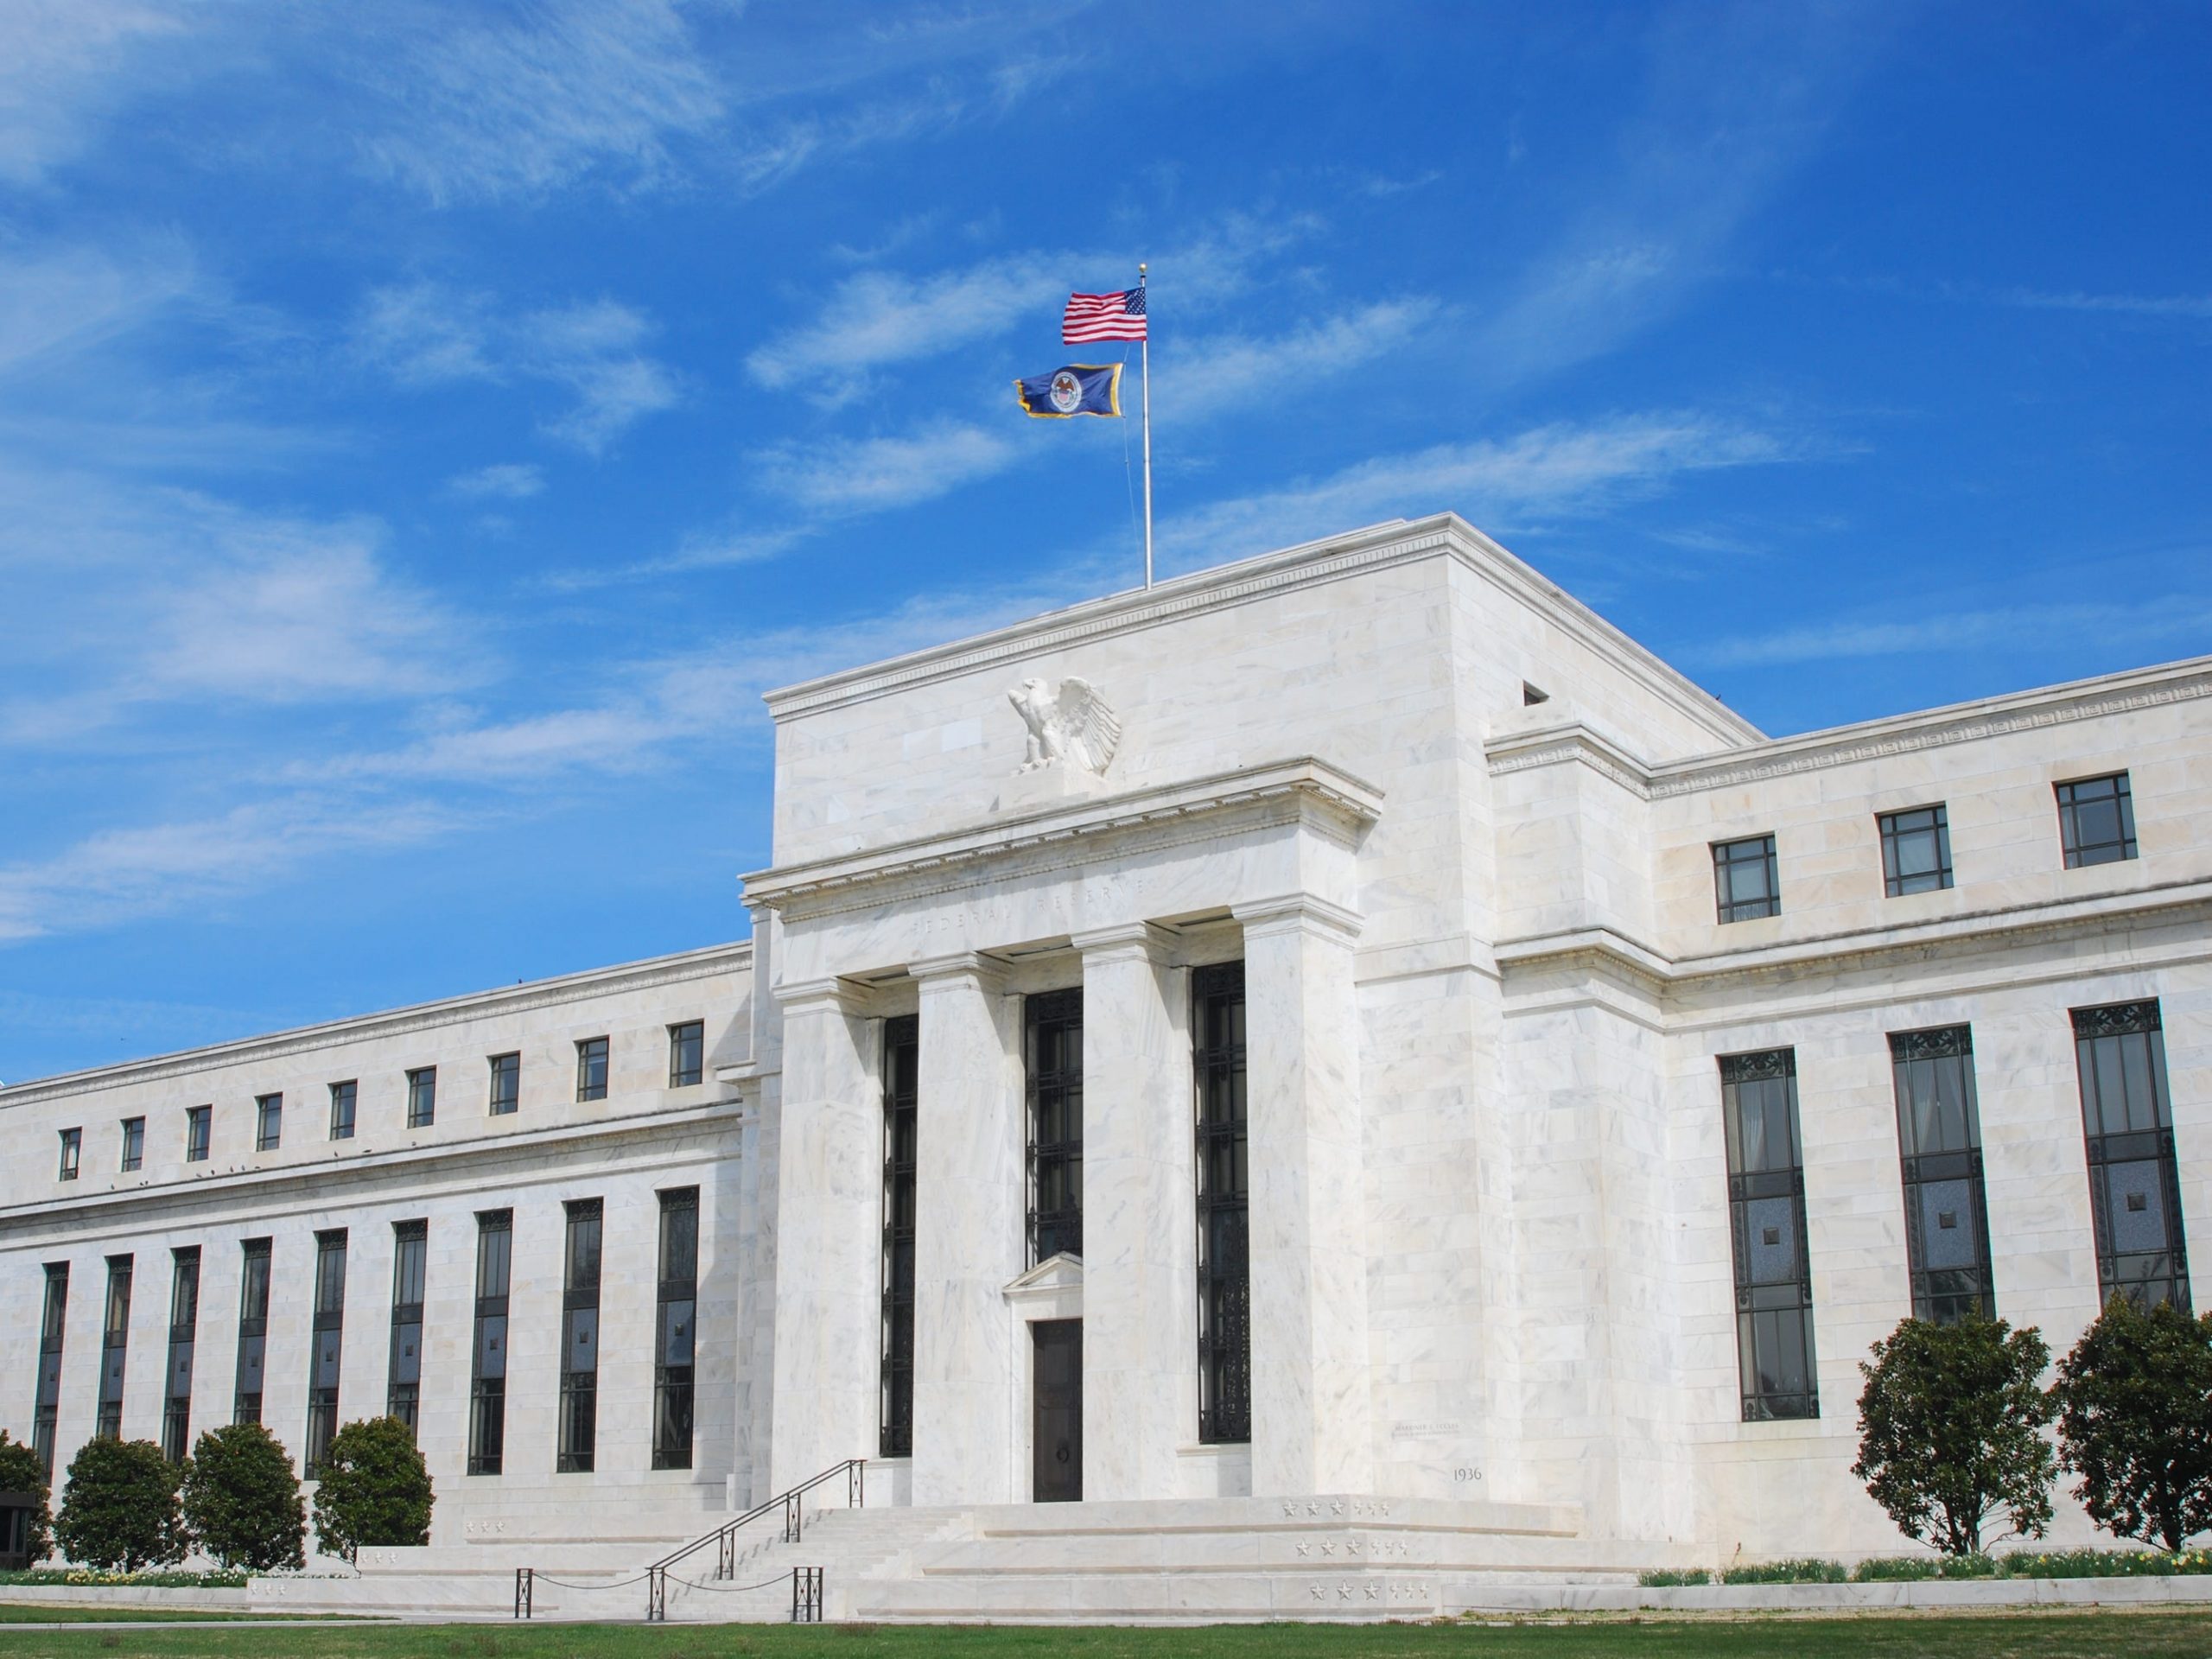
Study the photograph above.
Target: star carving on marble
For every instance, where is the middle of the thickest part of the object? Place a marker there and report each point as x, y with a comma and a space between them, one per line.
1303, 1549
1328, 1549
1374, 1593
1344, 1593
1319, 1593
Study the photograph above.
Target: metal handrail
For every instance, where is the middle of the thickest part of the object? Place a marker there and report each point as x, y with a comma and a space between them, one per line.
724, 1537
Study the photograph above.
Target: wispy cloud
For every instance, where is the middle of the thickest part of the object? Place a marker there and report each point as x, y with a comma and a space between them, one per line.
506, 481
59, 64
2194, 306
2178, 618
1223, 371
849, 477
1557, 469
426, 334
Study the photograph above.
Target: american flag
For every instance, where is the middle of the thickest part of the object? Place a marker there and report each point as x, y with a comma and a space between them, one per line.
1104, 316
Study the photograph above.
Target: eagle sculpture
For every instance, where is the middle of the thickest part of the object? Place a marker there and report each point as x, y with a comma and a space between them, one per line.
1072, 722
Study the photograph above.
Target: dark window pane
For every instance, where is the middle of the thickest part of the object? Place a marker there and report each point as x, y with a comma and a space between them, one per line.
1915, 851
901, 1102
1766, 1206
2096, 820
591, 1068
1746, 884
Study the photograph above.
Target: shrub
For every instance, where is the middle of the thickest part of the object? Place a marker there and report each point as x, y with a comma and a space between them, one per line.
2135, 1421
1950, 1431
21, 1471
1671, 1577
242, 1500
1810, 1570
2090, 1564
1895, 1569
374, 1488
160, 1578
120, 1509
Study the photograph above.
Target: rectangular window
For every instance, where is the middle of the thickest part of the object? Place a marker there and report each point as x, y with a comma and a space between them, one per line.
342, 1097
72, 1149
2134, 1186
1224, 1205
687, 1053
184, 1331
198, 1127
488, 1389
410, 1251
422, 1097
1053, 1051
253, 1331
675, 1337
46, 1412
268, 1122
134, 1143
579, 1338
1766, 1223
1744, 883
1915, 851
115, 1342
328, 1341
902, 1056
591, 1068
506, 1085
1946, 1212
2096, 820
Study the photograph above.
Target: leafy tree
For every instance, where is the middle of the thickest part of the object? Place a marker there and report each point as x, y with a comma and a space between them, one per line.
21, 1471
374, 1488
1950, 1431
2135, 1421
120, 1509
242, 1500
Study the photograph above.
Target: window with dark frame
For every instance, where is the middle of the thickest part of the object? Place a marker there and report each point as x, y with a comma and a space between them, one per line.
487, 1387
591, 1068
2134, 1182
134, 1144
46, 1408
198, 1131
115, 1344
268, 1122
253, 1330
422, 1097
1745, 881
902, 1054
687, 1053
1946, 1206
1915, 851
1053, 1054
1766, 1226
410, 1255
1224, 1205
676, 1334
2096, 820
184, 1333
73, 1153
580, 1256
328, 1341
343, 1098
506, 1085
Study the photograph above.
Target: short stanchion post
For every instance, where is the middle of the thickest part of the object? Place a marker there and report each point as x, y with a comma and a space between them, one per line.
525, 1590
726, 1558
656, 1594
806, 1595
856, 1483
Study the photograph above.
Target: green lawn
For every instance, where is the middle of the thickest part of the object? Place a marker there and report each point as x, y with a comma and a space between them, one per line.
2013, 1635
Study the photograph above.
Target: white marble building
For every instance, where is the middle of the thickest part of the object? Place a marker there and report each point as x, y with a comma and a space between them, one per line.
1380, 867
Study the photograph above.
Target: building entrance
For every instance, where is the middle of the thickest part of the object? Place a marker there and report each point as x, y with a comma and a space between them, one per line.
1056, 1435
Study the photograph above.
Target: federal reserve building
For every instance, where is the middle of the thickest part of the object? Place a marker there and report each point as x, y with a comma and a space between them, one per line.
1314, 1088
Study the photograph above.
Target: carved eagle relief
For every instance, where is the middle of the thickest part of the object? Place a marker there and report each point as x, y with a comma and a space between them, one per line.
1072, 724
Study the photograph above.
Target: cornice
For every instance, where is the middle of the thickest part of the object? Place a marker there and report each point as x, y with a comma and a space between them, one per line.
396, 1022
1376, 547
1304, 783
1567, 742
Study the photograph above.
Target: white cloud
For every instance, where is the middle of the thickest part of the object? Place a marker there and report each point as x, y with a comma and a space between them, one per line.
876, 318
2179, 618
1554, 469
1225, 371
506, 481
2195, 306
846, 478
427, 333
60, 65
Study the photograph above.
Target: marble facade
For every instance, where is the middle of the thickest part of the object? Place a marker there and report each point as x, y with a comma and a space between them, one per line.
1457, 829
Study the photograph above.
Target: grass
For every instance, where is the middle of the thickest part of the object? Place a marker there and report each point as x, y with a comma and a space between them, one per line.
2054, 1635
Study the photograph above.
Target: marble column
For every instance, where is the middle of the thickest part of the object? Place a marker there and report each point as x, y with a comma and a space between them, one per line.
1140, 1249
1311, 1422
970, 1202
828, 1236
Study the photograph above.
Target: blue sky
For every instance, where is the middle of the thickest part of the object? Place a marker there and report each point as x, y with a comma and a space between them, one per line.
426, 428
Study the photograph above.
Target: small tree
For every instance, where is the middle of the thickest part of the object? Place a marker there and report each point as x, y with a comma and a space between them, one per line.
242, 1500
374, 1488
2135, 1421
120, 1509
21, 1471
1950, 1431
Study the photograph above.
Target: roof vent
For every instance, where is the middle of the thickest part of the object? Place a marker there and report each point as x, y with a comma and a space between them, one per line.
1530, 697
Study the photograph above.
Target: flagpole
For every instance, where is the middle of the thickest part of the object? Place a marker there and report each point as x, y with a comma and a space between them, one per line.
1144, 365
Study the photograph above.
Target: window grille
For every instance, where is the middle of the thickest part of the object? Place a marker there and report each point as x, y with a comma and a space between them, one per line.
676, 1334
1766, 1218
328, 1337
1946, 1207
45, 1411
901, 1102
410, 1251
1745, 882
1053, 1048
579, 1427
1224, 1205
115, 1340
253, 1330
2096, 820
487, 1391
1915, 851
184, 1331
2134, 1182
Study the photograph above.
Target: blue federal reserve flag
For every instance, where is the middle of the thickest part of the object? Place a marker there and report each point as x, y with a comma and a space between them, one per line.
1078, 389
